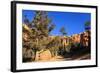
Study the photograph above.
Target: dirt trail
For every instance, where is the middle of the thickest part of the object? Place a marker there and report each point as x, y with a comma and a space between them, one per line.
46, 56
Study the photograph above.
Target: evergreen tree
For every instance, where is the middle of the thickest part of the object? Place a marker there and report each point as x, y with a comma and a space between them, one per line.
41, 27
87, 25
63, 31
42, 24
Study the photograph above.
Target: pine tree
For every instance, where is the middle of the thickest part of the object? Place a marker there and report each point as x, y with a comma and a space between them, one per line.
63, 31
87, 25
41, 28
42, 24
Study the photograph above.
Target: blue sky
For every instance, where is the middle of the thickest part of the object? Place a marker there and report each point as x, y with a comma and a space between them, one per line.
72, 21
